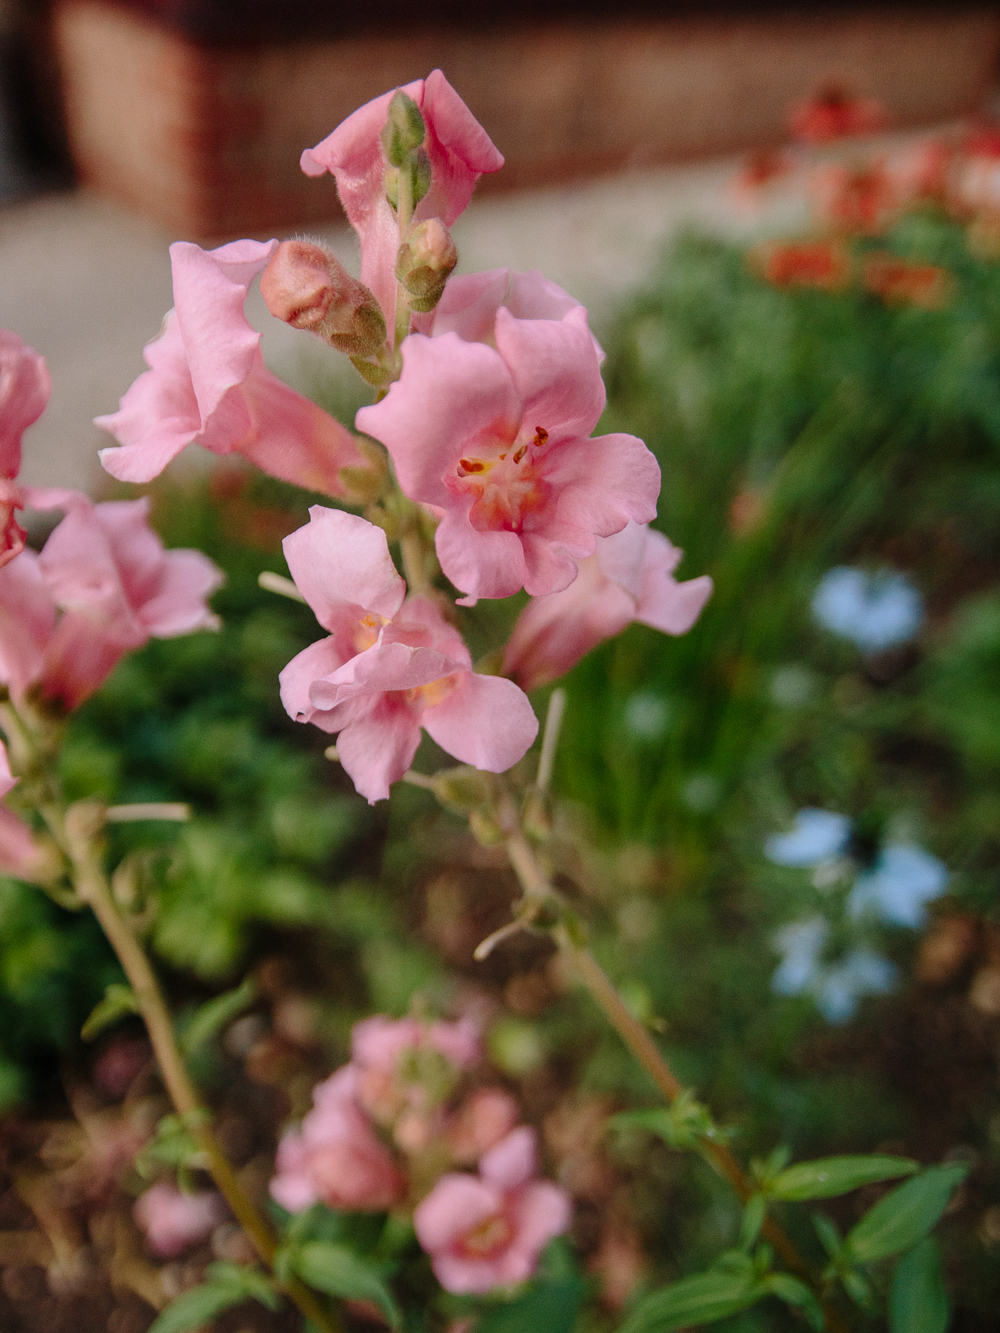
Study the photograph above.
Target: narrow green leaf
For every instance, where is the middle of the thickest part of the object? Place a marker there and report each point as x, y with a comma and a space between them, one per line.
694, 1300
828, 1234
338, 1271
905, 1216
250, 1282
550, 1307
918, 1301
118, 1001
196, 1307
752, 1221
213, 1016
795, 1293
830, 1176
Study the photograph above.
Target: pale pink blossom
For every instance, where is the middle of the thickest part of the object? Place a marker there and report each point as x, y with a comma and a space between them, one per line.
207, 384
470, 302
101, 587
389, 666
24, 392
629, 578
173, 1220
336, 1157
380, 1042
487, 1231
458, 147
484, 1118
497, 441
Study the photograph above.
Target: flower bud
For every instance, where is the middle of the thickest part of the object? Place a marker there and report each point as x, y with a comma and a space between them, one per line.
306, 285
424, 262
403, 132
420, 179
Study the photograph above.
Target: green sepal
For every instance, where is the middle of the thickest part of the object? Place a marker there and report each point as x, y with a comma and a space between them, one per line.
118, 1001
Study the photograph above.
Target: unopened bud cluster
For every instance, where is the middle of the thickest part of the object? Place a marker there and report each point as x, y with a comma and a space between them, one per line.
306, 285
402, 143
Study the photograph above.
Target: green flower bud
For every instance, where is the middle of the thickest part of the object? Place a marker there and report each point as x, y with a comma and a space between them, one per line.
403, 132
424, 262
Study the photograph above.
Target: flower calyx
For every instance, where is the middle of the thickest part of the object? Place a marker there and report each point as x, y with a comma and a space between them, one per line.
424, 263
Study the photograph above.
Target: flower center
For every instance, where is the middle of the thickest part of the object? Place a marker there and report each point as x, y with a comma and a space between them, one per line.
490, 1236
434, 692
367, 631
504, 478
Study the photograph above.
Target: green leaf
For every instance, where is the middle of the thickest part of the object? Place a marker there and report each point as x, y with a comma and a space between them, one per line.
551, 1307
905, 1216
118, 1001
828, 1234
250, 1282
196, 1307
918, 1301
795, 1293
680, 1125
213, 1016
338, 1271
752, 1221
694, 1300
829, 1176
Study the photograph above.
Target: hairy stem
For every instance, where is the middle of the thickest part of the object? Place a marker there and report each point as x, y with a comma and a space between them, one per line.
536, 885
82, 826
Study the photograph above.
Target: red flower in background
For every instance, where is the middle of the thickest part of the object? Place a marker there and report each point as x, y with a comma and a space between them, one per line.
833, 113
802, 264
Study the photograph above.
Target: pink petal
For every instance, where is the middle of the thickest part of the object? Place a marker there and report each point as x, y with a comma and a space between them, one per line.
448, 392
486, 722
555, 371
541, 1212
553, 633
377, 751
480, 564
420, 622
27, 621
461, 1042
622, 556
600, 484
664, 603
79, 566
342, 566
470, 303
319, 659
7, 779
512, 1161
19, 853
24, 390
293, 439
384, 668
456, 1204
378, 1042
178, 607
79, 658
292, 1186
548, 567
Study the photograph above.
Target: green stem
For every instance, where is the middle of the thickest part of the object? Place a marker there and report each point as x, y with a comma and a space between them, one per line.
536, 886
404, 216
82, 826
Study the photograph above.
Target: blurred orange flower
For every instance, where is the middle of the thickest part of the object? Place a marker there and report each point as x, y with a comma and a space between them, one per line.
802, 263
900, 282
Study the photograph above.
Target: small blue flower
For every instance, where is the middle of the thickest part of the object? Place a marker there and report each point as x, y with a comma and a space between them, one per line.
875, 611
903, 880
815, 836
836, 987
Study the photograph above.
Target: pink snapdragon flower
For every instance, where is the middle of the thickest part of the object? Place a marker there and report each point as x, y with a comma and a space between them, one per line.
487, 1231
335, 1157
458, 147
24, 391
629, 578
389, 666
101, 587
207, 384
497, 442
172, 1220
470, 301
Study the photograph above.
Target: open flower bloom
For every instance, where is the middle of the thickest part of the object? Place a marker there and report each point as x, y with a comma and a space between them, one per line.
470, 302
629, 577
173, 1220
487, 1231
207, 384
497, 442
24, 392
389, 667
107, 573
336, 1157
459, 150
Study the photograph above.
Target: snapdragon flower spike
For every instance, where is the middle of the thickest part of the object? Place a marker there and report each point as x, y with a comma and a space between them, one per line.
101, 587
207, 384
487, 1231
496, 441
459, 150
629, 578
389, 666
24, 391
